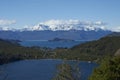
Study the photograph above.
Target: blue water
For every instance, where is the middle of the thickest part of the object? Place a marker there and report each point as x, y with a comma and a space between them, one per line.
42, 69
39, 69
51, 44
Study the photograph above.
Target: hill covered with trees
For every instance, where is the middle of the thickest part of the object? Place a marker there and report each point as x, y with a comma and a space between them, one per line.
10, 51
109, 69
93, 50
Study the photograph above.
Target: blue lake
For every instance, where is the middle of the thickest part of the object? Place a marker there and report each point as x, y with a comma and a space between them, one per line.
40, 69
51, 44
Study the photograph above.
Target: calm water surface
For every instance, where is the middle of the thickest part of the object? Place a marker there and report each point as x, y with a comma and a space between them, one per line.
51, 44
39, 69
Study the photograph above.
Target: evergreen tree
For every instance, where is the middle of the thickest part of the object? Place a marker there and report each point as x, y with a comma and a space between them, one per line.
108, 70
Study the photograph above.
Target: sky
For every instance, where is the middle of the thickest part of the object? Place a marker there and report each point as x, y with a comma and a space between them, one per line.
19, 13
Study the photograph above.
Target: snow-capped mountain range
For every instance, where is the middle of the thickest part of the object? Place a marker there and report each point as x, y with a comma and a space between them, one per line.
63, 29
65, 25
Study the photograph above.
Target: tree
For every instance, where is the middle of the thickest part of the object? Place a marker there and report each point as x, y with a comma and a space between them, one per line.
108, 70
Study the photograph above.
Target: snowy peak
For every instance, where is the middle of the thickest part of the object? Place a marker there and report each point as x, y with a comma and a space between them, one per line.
65, 25
63, 29
5, 29
55, 25
40, 27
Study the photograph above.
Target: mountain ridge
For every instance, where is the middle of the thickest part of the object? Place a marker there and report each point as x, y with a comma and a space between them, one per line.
64, 29
49, 35
64, 25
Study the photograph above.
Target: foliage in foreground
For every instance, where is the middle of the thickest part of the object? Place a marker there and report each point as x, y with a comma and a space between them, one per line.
108, 70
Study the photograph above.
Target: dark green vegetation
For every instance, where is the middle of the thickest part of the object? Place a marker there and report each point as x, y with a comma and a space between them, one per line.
10, 51
67, 72
109, 69
93, 50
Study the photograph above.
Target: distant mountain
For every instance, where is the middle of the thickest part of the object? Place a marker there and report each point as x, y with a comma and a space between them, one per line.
55, 25
49, 35
69, 29
62, 25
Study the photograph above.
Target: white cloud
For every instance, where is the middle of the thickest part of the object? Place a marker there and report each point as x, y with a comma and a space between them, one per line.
116, 29
70, 24
58, 25
100, 23
57, 22
6, 22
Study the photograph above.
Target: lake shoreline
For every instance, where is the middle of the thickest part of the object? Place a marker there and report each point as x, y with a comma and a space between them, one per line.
49, 59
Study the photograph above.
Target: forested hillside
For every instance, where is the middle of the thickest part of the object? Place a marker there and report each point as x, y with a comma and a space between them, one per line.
109, 69
93, 50
10, 51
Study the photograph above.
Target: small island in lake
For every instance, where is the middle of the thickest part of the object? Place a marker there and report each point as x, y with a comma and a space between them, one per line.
60, 39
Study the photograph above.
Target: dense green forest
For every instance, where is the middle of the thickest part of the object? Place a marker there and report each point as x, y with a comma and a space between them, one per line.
93, 50
109, 69
10, 51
